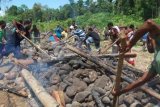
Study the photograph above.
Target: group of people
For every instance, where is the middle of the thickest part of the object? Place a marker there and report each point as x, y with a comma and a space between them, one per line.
86, 37
10, 42
12, 35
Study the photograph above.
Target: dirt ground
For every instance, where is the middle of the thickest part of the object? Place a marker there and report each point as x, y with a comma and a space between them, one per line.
143, 59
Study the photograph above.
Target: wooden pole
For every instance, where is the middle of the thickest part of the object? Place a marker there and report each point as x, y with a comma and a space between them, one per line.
119, 70
40, 92
38, 48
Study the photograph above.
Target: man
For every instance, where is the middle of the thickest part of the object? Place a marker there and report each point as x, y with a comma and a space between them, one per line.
79, 36
58, 31
107, 30
92, 37
36, 34
154, 69
14, 39
2, 34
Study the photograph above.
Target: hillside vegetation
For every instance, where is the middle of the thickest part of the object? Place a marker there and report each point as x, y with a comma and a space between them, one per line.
100, 20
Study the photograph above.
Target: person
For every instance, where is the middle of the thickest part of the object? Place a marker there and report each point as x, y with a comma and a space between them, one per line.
58, 31
92, 37
113, 32
27, 27
144, 40
129, 36
107, 30
2, 34
154, 68
14, 39
79, 35
64, 34
36, 33
130, 32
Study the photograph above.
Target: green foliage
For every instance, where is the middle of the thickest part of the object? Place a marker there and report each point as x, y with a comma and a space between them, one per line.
98, 19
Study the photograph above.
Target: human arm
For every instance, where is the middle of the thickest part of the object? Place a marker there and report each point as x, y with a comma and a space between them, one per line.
142, 80
149, 26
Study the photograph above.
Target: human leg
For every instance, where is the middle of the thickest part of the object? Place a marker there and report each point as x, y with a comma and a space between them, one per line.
88, 42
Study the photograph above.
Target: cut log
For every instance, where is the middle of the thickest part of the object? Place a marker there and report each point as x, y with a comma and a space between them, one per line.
46, 99
108, 68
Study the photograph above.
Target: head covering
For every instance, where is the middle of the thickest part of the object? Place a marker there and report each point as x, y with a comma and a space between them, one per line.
117, 28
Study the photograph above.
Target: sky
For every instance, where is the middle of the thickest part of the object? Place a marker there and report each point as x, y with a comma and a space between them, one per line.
30, 3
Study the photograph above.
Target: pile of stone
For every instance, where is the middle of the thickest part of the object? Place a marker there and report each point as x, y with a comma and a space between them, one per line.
87, 87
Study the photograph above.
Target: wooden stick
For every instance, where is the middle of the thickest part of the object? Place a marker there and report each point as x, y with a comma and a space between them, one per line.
39, 91
38, 48
119, 70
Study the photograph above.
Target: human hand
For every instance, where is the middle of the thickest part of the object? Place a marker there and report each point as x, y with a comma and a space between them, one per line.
116, 92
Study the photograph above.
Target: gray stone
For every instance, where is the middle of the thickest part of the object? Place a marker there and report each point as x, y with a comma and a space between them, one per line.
66, 67
71, 91
1, 76
100, 90
129, 99
122, 105
93, 76
62, 86
113, 77
139, 95
121, 98
111, 96
55, 79
80, 85
91, 104
89, 98
145, 101
87, 80
136, 104
107, 88
62, 72
80, 97
102, 81
51, 89
11, 75
149, 105
106, 100
67, 99
76, 104
68, 105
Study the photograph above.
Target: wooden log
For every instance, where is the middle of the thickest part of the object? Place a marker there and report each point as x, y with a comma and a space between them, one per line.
108, 68
126, 55
119, 70
69, 57
46, 99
